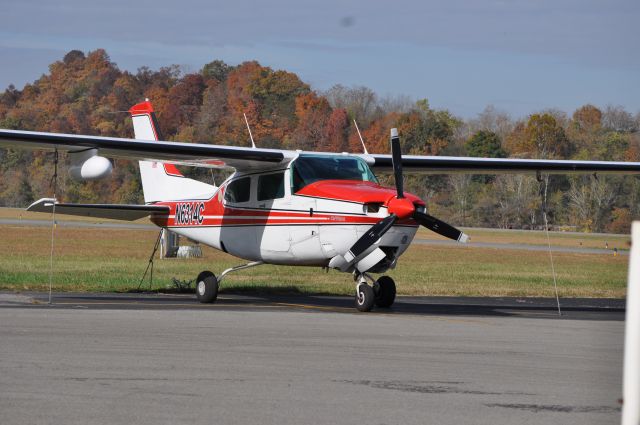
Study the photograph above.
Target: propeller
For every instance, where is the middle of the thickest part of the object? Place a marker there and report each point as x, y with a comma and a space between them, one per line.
426, 220
440, 227
399, 207
396, 160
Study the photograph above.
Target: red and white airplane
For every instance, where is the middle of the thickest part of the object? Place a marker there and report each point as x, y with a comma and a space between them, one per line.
280, 206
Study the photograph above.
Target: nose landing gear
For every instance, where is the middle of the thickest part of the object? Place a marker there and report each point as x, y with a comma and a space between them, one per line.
382, 293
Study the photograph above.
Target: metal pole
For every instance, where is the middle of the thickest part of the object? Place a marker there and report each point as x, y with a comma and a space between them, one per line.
546, 230
53, 230
631, 378
53, 223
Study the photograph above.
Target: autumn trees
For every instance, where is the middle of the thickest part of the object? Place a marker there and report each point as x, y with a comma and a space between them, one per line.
540, 137
89, 94
486, 144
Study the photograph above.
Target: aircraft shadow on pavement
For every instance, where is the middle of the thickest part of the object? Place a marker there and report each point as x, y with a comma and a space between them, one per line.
436, 306
424, 306
292, 298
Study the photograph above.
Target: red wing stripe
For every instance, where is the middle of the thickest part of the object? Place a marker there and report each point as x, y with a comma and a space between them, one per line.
266, 221
213, 214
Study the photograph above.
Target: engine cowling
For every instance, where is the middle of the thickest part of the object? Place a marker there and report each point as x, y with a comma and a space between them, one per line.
88, 165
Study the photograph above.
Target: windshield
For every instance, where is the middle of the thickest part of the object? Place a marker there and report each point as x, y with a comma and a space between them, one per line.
313, 168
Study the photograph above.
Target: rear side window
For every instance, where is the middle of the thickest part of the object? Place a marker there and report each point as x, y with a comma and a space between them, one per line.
271, 186
238, 190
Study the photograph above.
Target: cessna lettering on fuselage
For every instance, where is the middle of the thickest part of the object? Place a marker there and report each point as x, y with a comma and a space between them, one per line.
282, 207
189, 213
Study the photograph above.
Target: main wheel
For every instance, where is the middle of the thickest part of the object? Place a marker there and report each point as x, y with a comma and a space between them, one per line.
364, 297
206, 287
386, 291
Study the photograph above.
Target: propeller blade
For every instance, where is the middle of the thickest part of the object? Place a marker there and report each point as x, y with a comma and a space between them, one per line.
440, 227
372, 235
396, 159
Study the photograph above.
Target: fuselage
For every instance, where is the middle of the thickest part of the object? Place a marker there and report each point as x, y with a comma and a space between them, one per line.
306, 213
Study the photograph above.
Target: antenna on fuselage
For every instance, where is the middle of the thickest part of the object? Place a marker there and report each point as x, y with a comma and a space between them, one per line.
361, 139
249, 128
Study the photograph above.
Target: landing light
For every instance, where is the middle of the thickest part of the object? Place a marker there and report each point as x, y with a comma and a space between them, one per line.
371, 208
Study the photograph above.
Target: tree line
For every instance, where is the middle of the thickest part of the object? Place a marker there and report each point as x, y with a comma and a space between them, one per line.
89, 94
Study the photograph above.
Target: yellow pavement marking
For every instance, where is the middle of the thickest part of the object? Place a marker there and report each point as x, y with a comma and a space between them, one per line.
158, 304
151, 303
539, 313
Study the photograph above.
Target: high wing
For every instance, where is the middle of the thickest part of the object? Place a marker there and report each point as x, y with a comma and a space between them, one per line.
468, 165
245, 158
193, 154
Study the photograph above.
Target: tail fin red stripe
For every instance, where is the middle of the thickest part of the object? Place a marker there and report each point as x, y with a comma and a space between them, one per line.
142, 108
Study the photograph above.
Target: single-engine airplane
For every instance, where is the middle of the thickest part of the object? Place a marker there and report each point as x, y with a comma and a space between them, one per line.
279, 206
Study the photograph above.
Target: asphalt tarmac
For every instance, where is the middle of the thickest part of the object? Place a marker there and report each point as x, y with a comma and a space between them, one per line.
165, 359
541, 308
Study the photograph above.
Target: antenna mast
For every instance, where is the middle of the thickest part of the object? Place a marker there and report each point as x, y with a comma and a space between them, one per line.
249, 128
361, 139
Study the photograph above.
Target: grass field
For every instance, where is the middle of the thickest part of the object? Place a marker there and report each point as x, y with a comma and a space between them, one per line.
534, 237
94, 259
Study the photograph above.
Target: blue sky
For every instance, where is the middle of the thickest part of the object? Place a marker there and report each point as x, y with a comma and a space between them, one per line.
520, 56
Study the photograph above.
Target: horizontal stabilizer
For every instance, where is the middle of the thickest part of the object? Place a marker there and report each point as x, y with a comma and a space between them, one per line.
112, 211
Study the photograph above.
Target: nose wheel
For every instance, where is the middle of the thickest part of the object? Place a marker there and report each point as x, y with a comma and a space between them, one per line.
365, 297
381, 294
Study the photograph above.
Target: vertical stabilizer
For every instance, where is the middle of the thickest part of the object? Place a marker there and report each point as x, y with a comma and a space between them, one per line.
162, 181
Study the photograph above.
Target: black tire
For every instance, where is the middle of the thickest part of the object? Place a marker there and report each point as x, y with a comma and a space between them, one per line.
386, 291
364, 298
206, 287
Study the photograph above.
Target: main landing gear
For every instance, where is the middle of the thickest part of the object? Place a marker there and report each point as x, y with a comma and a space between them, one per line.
207, 284
207, 287
382, 292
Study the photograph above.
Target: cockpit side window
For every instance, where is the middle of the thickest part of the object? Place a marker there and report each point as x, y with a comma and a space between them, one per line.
313, 168
238, 190
271, 186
